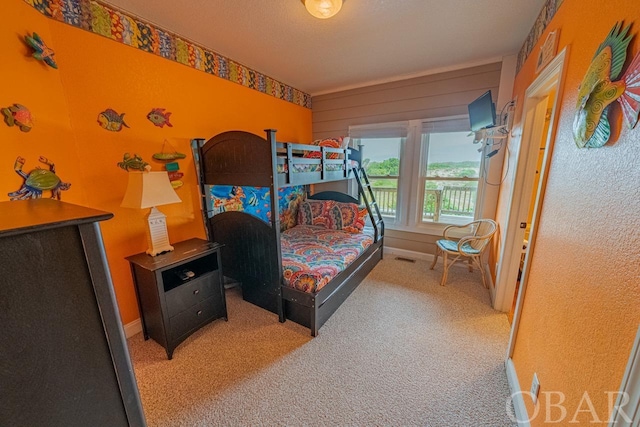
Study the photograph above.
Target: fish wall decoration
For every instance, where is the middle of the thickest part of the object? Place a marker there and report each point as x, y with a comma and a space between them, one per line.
111, 120
159, 117
602, 85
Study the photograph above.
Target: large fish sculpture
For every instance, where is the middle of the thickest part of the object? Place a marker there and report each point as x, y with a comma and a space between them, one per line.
601, 87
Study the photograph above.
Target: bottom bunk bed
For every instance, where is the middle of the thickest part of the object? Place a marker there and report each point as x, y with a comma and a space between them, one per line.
301, 266
323, 266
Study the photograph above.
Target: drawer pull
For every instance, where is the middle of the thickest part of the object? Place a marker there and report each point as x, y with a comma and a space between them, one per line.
196, 292
199, 312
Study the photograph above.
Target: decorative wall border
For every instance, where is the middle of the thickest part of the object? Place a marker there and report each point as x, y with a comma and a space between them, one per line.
546, 14
117, 25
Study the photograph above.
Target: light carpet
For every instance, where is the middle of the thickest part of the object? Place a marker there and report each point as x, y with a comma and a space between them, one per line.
401, 351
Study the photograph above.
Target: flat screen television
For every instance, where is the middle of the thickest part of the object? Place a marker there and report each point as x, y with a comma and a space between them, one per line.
482, 112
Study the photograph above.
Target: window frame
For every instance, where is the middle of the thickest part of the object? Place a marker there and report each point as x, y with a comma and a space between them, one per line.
411, 182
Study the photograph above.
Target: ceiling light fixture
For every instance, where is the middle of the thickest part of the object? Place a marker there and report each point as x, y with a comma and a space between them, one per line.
323, 9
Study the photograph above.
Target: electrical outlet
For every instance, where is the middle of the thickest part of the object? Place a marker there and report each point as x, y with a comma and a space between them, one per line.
535, 388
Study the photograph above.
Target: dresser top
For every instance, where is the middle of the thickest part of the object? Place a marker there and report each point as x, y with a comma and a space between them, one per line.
23, 216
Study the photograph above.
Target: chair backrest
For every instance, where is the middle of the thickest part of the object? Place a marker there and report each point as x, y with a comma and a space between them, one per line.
483, 231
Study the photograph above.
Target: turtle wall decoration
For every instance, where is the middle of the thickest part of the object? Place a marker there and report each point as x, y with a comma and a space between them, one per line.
18, 115
38, 180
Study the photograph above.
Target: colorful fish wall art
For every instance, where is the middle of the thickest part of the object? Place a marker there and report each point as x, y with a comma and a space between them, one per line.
159, 117
602, 85
18, 115
111, 120
41, 51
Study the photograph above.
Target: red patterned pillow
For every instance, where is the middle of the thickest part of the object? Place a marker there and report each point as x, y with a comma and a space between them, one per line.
332, 215
315, 212
353, 218
340, 142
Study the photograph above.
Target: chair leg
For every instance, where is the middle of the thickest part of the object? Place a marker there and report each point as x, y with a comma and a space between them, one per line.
445, 270
435, 258
470, 265
479, 265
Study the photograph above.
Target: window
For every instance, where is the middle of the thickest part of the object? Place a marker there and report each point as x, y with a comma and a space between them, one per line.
449, 174
384, 147
382, 164
423, 172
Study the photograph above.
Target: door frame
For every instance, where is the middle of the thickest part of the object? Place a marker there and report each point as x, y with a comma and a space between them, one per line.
552, 77
626, 412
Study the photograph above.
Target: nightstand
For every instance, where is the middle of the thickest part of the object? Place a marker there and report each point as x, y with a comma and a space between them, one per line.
179, 291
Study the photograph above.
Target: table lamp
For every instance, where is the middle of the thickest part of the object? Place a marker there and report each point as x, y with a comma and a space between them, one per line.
148, 190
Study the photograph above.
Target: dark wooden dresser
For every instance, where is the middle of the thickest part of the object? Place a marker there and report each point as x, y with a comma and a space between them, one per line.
63, 355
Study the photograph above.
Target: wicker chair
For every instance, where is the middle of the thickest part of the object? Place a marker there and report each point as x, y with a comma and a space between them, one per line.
475, 237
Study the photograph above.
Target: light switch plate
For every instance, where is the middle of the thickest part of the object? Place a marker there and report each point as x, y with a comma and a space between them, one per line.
535, 388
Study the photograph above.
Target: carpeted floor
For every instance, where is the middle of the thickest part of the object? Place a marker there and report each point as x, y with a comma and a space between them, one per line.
401, 351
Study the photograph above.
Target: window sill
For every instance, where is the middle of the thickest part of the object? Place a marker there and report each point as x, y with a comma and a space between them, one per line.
429, 228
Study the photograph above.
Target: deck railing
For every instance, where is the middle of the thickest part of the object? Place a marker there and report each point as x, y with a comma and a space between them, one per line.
446, 200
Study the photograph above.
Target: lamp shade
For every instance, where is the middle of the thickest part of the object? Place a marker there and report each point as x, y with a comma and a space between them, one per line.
149, 189
323, 8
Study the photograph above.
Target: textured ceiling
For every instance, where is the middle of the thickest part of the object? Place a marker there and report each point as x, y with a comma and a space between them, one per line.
368, 41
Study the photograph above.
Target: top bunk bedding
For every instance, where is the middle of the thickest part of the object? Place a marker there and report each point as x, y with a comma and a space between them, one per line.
244, 159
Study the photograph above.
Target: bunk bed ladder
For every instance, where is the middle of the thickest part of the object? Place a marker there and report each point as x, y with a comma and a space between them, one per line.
366, 192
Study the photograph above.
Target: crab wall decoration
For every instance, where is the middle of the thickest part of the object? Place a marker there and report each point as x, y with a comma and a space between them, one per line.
38, 180
134, 162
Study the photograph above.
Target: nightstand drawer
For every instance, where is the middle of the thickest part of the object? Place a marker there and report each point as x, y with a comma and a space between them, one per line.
185, 296
194, 317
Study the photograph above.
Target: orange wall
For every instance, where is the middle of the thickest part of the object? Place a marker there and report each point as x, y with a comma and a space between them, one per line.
582, 304
94, 74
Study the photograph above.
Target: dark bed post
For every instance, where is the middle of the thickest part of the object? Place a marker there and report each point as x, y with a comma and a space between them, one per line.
275, 215
196, 148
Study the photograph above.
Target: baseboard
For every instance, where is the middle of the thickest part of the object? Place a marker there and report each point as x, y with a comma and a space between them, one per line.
487, 275
519, 407
408, 254
132, 328
426, 257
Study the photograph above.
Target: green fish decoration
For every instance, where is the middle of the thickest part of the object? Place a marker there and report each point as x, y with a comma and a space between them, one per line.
601, 87
41, 51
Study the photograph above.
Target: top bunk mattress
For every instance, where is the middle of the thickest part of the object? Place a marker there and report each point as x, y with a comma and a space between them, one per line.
313, 255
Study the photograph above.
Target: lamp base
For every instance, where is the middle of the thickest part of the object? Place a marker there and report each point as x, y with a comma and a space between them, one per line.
158, 236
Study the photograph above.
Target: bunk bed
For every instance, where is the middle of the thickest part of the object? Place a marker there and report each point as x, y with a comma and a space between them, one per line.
271, 179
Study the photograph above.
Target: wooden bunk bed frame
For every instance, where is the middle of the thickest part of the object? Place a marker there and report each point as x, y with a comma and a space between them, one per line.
252, 252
